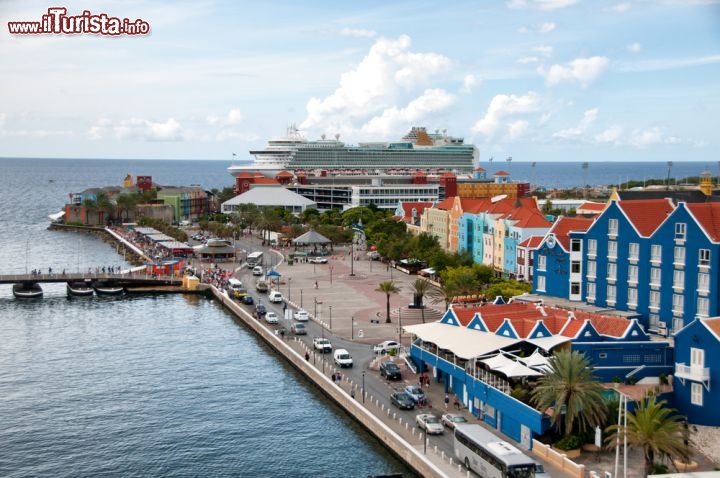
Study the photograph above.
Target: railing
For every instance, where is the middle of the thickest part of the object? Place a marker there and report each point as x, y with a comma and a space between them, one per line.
692, 372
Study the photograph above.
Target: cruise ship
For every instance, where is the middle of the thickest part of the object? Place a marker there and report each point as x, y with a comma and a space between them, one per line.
417, 150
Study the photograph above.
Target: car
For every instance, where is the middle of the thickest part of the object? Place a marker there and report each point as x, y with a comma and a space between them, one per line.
317, 260
275, 297
415, 393
322, 345
301, 315
260, 309
390, 370
402, 400
271, 317
374, 255
261, 286
450, 419
248, 300
342, 358
257, 271
385, 347
430, 423
240, 293
298, 329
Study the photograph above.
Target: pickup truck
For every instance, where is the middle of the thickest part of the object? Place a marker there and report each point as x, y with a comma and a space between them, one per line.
322, 345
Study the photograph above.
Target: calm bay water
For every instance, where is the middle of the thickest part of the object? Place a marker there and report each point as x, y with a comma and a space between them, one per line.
167, 386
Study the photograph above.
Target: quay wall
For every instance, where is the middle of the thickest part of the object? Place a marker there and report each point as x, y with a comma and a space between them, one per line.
108, 235
396, 444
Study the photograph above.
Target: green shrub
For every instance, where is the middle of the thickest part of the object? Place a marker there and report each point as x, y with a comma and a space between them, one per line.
570, 442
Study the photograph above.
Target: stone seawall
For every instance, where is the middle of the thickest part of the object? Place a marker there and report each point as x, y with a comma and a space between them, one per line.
412, 457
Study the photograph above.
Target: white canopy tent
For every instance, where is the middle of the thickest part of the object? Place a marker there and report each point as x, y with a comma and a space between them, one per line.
464, 343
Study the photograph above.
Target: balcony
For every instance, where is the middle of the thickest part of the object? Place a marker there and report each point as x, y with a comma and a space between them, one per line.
693, 373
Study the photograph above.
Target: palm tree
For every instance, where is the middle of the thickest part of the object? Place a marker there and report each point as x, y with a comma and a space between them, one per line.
388, 287
656, 429
570, 389
445, 293
420, 288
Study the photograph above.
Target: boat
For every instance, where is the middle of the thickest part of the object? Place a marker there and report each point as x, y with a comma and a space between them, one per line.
108, 288
79, 289
27, 291
417, 150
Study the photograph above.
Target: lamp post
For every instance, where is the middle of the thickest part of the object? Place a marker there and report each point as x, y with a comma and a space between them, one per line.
330, 306
352, 257
352, 328
315, 309
289, 280
400, 326
323, 336
301, 298
331, 269
363, 387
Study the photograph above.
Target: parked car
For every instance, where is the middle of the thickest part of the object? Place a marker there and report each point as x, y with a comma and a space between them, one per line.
248, 300
322, 345
385, 347
298, 328
301, 315
402, 400
260, 309
430, 423
342, 358
450, 419
390, 370
374, 255
271, 317
415, 393
317, 260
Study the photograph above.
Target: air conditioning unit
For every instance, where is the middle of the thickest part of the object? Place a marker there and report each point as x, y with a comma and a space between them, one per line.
662, 329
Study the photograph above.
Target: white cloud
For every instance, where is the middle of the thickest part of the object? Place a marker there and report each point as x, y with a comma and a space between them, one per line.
393, 118
358, 32
651, 136
546, 27
388, 72
502, 106
137, 129
588, 119
619, 8
527, 59
540, 4
3, 118
667, 64
469, 82
582, 70
517, 129
611, 135
233, 117
544, 50
634, 47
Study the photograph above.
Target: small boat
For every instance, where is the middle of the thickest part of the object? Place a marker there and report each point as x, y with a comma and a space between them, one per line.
108, 289
79, 289
27, 291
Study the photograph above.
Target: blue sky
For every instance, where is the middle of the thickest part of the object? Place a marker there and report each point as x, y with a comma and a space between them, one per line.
537, 80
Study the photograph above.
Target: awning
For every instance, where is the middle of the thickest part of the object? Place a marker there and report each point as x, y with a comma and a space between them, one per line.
536, 359
497, 362
518, 370
464, 343
548, 343
273, 273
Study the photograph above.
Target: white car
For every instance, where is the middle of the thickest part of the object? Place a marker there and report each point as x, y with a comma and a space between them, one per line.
430, 423
301, 315
343, 358
317, 260
451, 419
271, 317
385, 347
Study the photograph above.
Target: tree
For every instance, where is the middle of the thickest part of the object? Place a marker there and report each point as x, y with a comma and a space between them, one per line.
445, 293
654, 428
571, 390
388, 287
420, 287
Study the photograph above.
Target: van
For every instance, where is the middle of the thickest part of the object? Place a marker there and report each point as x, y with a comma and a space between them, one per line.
233, 285
257, 271
342, 358
275, 297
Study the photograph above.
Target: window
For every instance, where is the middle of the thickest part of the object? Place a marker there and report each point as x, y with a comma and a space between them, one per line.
679, 259
677, 323
575, 245
611, 293
592, 247
575, 288
655, 299
678, 279
575, 267
591, 269
697, 357
656, 253
678, 303
703, 282
612, 250
680, 231
696, 394
612, 227
541, 283
633, 251
655, 275
704, 257
591, 291
633, 274
632, 297
703, 307
542, 262
611, 271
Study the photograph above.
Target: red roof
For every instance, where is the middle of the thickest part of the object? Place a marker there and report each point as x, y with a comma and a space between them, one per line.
532, 242
713, 324
564, 225
646, 214
592, 206
264, 180
446, 204
708, 216
418, 206
501, 173
479, 170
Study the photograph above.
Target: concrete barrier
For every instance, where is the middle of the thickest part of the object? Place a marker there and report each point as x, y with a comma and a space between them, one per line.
394, 442
559, 459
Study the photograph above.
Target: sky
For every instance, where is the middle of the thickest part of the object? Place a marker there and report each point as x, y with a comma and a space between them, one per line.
531, 80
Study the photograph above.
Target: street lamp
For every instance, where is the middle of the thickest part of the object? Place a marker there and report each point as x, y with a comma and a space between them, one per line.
315, 310
352, 328
363, 387
289, 280
330, 316
352, 258
400, 326
301, 298
323, 336
331, 269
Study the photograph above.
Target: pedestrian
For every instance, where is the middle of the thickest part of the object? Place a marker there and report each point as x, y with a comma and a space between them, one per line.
421, 380
316, 284
307, 356
456, 403
333, 377
352, 393
447, 400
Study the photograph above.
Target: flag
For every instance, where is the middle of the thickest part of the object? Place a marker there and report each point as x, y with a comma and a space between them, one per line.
358, 228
